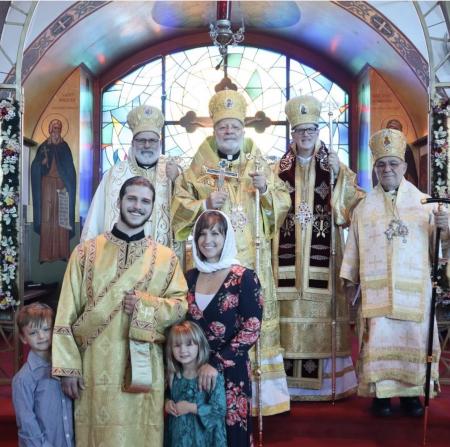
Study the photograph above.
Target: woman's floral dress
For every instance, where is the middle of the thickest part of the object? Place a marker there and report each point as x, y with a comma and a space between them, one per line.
232, 323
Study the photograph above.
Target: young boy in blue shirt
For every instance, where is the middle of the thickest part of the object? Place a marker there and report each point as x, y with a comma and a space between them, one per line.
43, 412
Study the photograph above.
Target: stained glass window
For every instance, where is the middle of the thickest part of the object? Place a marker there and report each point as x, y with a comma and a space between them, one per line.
184, 81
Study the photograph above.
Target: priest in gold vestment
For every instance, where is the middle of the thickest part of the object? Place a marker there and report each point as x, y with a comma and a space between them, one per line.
144, 159
388, 253
120, 292
302, 264
223, 176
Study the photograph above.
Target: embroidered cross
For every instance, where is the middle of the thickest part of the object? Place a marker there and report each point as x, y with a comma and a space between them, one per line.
147, 313
322, 190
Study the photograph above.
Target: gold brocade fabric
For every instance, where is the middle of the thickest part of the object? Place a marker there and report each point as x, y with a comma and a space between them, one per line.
305, 311
396, 290
195, 185
92, 332
394, 274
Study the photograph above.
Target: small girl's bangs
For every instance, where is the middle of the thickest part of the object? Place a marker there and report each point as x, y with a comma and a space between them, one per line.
182, 334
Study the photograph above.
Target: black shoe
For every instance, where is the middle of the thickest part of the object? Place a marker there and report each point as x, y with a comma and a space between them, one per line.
381, 407
411, 406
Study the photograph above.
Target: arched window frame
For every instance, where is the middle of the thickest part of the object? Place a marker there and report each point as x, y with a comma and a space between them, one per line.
328, 68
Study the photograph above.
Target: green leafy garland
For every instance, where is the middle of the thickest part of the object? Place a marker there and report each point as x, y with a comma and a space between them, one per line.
9, 202
439, 164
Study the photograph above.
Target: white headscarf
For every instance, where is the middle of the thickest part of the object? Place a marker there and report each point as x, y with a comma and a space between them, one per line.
229, 252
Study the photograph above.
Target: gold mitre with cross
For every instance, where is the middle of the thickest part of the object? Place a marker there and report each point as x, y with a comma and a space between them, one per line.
145, 119
303, 109
227, 104
388, 143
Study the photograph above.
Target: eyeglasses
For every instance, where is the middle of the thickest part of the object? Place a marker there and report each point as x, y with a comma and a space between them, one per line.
144, 141
306, 131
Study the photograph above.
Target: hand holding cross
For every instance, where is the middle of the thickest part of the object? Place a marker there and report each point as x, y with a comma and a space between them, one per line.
217, 199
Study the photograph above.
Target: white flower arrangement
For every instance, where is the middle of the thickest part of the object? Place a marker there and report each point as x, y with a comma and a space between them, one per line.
9, 202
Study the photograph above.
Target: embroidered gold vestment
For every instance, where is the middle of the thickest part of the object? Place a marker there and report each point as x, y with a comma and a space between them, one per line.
92, 335
192, 188
304, 290
394, 273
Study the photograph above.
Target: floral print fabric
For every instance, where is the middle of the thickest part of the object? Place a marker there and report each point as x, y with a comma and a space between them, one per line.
232, 324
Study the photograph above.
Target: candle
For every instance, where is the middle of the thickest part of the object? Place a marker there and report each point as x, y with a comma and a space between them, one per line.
223, 10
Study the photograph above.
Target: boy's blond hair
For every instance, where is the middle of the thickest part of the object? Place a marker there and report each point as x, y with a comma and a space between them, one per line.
36, 314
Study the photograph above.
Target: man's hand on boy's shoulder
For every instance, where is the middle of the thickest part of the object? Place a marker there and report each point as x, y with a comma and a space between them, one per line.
72, 386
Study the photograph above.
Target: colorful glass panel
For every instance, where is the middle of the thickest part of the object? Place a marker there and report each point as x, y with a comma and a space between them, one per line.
190, 77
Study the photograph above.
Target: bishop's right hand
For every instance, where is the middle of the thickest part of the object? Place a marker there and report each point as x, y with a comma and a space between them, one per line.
216, 200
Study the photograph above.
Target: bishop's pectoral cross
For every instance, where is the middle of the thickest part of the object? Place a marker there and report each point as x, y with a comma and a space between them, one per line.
221, 173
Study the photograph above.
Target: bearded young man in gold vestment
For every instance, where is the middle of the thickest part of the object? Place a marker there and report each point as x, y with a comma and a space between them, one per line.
120, 292
388, 252
231, 187
302, 260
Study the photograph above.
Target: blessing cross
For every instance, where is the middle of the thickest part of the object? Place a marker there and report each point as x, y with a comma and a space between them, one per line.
221, 173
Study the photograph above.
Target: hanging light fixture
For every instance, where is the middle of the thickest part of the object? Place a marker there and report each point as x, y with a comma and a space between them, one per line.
221, 32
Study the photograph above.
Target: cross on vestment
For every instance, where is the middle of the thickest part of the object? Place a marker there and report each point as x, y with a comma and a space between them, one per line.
148, 313
410, 266
376, 258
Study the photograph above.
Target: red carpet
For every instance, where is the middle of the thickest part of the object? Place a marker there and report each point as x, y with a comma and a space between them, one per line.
350, 424
312, 424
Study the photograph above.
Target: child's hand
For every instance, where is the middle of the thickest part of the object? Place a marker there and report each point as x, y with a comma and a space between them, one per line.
185, 407
171, 408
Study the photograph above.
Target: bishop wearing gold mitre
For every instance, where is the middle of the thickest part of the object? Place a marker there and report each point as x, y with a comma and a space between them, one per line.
144, 159
224, 174
388, 253
302, 260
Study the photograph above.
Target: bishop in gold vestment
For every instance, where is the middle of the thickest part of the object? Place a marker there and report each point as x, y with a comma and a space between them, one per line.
388, 253
144, 159
93, 334
301, 258
199, 187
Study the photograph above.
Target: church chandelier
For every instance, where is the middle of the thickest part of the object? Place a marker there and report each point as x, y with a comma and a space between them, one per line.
221, 32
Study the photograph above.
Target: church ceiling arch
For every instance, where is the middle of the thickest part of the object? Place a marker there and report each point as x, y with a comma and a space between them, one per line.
112, 30
386, 29
256, 16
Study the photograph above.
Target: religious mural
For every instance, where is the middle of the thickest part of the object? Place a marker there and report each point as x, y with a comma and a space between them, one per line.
53, 181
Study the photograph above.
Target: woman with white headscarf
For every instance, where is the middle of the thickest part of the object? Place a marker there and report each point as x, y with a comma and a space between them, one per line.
225, 301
